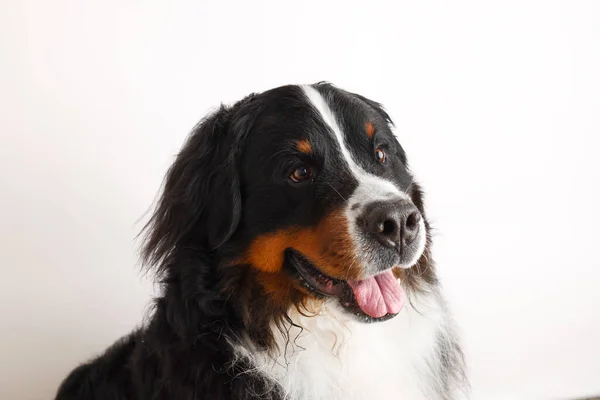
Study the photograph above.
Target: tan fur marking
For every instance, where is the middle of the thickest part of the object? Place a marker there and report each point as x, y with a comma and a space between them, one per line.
370, 129
304, 146
328, 246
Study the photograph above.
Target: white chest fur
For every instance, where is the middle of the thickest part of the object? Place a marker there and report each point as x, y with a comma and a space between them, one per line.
336, 357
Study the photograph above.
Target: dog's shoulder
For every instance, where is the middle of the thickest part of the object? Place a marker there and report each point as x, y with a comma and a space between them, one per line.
107, 376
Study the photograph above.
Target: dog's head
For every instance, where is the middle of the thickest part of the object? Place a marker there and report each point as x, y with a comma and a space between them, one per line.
306, 192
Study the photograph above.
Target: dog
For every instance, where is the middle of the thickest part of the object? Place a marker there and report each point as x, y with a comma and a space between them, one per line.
293, 252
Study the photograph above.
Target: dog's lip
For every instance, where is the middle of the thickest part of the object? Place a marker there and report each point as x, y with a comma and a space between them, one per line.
315, 279
307, 274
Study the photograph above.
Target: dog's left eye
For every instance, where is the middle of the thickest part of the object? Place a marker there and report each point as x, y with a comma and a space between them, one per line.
380, 155
300, 174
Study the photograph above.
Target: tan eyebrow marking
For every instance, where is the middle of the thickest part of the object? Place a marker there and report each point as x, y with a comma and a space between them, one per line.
370, 129
304, 146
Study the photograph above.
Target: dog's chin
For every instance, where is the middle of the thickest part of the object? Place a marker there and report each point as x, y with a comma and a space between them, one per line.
322, 286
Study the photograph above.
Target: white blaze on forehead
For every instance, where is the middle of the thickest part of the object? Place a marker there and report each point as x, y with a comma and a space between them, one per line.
320, 104
369, 186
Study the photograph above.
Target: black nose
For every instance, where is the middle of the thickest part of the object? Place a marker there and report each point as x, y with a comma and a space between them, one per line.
394, 223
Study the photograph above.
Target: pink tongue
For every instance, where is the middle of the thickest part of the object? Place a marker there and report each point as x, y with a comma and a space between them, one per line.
379, 295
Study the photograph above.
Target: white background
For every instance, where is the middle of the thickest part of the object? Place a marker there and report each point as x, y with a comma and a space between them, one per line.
497, 105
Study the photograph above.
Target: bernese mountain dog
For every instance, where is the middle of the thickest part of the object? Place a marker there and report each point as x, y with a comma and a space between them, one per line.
293, 252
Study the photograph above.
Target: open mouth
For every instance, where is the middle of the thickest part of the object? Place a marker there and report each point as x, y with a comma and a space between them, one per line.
376, 298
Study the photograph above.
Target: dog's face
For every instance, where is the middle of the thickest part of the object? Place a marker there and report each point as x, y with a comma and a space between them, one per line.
315, 197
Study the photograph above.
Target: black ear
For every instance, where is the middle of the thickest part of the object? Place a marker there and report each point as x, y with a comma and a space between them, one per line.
200, 205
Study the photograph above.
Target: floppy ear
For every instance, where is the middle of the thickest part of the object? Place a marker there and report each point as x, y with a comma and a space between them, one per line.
200, 205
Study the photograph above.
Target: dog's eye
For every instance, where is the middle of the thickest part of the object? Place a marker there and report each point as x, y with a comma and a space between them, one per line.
301, 173
380, 154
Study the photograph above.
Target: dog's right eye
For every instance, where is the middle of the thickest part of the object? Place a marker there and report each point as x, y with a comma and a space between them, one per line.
302, 173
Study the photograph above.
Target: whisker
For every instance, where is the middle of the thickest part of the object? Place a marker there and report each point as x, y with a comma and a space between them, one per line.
343, 198
409, 186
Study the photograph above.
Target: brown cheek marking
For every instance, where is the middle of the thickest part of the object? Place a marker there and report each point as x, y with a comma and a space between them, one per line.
370, 129
328, 246
304, 146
